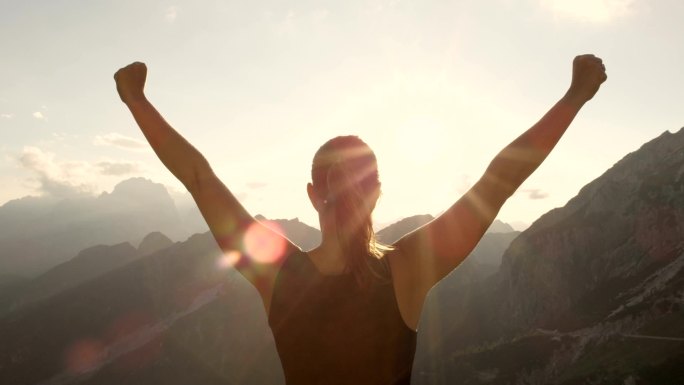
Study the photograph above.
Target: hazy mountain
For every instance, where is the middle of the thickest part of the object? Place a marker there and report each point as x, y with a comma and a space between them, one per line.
41, 232
88, 264
500, 227
483, 261
393, 232
98, 260
154, 242
10, 280
303, 235
10, 285
171, 316
592, 292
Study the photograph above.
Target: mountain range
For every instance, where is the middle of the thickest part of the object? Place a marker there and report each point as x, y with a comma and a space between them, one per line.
591, 293
42, 232
177, 286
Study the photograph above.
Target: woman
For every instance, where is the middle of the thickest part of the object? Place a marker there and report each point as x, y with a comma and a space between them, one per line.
347, 311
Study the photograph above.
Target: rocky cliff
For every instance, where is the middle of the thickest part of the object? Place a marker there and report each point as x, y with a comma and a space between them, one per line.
592, 292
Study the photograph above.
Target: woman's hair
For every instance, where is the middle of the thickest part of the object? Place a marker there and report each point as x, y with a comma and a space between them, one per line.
345, 175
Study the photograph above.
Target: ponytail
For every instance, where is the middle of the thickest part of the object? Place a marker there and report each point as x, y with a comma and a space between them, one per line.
352, 186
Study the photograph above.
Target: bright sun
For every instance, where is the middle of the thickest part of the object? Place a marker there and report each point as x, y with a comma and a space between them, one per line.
419, 141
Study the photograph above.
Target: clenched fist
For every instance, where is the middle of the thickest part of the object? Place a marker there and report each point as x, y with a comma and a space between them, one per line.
130, 82
588, 73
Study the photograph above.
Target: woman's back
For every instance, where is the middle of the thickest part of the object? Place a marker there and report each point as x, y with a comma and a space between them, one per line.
328, 330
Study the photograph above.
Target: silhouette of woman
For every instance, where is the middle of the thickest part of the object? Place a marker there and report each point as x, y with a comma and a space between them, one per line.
347, 311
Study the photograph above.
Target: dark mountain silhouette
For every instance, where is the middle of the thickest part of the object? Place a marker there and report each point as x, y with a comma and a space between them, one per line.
590, 293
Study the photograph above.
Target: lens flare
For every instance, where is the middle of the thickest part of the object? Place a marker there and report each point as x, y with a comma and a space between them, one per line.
228, 259
125, 332
84, 356
263, 242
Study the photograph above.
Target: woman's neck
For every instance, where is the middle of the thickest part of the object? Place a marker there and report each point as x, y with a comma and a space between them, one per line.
328, 256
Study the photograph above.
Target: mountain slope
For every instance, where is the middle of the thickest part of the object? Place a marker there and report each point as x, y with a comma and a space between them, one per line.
592, 292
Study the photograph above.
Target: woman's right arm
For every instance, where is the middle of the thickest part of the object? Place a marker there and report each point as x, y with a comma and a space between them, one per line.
225, 216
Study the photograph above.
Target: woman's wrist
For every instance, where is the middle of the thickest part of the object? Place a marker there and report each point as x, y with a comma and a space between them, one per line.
573, 99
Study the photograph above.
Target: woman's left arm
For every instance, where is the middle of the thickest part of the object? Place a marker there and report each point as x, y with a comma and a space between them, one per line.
426, 255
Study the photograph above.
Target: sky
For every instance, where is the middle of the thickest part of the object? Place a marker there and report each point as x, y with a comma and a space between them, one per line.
436, 88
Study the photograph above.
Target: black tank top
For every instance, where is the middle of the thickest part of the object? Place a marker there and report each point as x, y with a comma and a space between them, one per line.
330, 331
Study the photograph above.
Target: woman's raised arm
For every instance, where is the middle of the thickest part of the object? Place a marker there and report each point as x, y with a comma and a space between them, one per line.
225, 216
425, 256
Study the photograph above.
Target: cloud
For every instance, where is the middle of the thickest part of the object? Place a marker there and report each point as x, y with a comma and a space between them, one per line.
6, 116
66, 178
597, 11
39, 115
171, 13
53, 178
119, 168
535, 193
121, 141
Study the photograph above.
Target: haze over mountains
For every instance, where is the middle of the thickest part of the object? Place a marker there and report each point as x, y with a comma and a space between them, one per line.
592, 292
42, 232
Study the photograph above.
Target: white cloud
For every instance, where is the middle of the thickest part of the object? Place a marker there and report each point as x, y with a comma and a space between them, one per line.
39, 115
535, 193
121, 141
6, 116
118, 168
53, 178
70, 178
171, 13
597, 11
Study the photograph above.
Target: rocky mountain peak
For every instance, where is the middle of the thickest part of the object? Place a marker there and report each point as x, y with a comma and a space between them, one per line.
139, 188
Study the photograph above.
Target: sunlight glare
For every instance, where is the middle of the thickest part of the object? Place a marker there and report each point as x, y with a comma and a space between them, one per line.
590, 10
263, 243
228, 259
420, 140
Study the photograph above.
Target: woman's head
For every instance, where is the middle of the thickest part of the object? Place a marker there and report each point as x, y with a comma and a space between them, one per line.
344, 190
